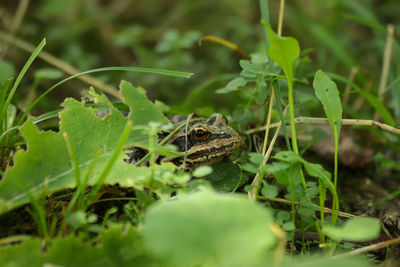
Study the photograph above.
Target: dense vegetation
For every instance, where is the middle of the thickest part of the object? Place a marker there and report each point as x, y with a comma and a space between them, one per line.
83, 80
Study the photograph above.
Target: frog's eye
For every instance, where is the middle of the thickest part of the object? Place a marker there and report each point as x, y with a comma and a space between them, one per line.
200, 134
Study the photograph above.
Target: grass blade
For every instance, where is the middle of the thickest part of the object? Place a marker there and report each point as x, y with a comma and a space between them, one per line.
20, 76
179, 74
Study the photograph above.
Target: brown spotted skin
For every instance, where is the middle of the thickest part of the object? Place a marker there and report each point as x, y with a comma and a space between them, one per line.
205, 142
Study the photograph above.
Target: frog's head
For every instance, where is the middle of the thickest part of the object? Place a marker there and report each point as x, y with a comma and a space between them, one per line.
206, 142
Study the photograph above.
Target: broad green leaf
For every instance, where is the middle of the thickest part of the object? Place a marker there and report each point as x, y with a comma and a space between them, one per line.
318, 260
45, 166
355, 229
226, 176
284, 51
139, 103
328, 94
117, 246
28, 253
210, 229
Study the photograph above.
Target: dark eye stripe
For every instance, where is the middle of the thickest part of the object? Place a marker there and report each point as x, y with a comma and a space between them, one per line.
213, 137
212, 120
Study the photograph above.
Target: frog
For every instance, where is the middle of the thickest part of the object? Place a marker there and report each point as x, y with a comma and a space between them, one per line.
203, 143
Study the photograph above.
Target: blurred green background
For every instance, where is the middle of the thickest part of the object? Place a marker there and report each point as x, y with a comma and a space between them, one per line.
337, 35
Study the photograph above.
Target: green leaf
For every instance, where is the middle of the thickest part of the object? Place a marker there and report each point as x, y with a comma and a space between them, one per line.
318, 260
284, 171
226, 176
206, 228
284, 51
355, 229
288, 226
202, 171
250, 67
269, 190
113, 91
256, 158
282, 216
139, 103
118, 246
328, 94
28, 253
313, 169
45, 166
316, 170
232, 86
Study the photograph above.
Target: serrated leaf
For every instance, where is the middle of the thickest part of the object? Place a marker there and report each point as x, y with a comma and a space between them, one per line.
232, 86
140, 114
355, 229
328, 94
207, 228
46, 167
28, 253
254, 68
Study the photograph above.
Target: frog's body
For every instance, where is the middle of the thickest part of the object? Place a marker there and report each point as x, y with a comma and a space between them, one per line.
203, 143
